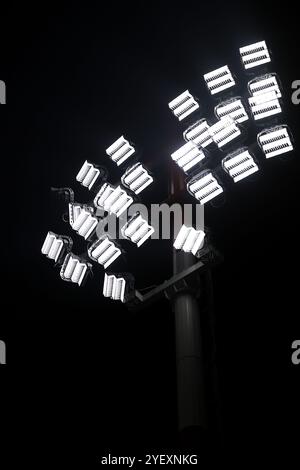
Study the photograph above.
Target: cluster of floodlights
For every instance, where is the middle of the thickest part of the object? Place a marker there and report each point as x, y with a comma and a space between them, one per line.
200, 139
231, 115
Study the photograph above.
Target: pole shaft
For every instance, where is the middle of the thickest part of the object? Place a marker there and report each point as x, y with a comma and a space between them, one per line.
189, 358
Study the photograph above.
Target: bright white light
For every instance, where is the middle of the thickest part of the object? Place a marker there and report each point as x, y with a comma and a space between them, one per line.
204, 187
136, 178
73, 270
264, 84
104, 251
189, 240
188, 156
275, 141
83, 223
87, 175
74, 211
239, 164
233, 108
219, 80
114, 287
120, 150
52, 246
137, 230
255, 54
183, 105
198, 133
264, 105
224, 131
113, 200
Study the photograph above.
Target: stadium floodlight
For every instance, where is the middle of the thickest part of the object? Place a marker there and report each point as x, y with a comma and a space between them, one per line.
114, 287
275, 141
188, 156
233, 108
184, 105
54, 246
104, 251
264, 105
224, 131
136, 178
74, 269
198, 133
82, 220
87, 175
239, 164
219, 80
264, 84
137, 229
189, 240
204, 186
113, 200
255, 54
120, 150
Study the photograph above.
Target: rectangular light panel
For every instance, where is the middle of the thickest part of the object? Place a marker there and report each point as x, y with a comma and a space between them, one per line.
136, 178
264, 105
199, 134
114, 287
240, 165
219, 80
224, 131
137, 230
275, 141
188, 156
183, 105
87, 175
104, 252
52, 246
204, 187
233, 108
255, 54
113, 200
120, 150
189, 240
73, 270
264, 84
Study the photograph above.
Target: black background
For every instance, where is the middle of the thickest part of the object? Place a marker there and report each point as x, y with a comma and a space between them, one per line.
84, 376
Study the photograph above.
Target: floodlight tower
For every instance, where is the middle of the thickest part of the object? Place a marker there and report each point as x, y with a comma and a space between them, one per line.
190, 287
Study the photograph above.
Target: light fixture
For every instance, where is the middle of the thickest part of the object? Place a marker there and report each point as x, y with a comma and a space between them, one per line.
113, 200
255, 54
239, 164
198, 133
275, 141
264, 84
219, 80
233, 108
54, 246
74, 211
87, 175
264, 105
183, 105
188, 156
82, 220
74, 269
114, 287
204, 186
120, 150
189, 240
137, 229
136, 178
104, 251
224, 131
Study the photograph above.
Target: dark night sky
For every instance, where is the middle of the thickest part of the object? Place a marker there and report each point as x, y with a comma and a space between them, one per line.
104, 377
